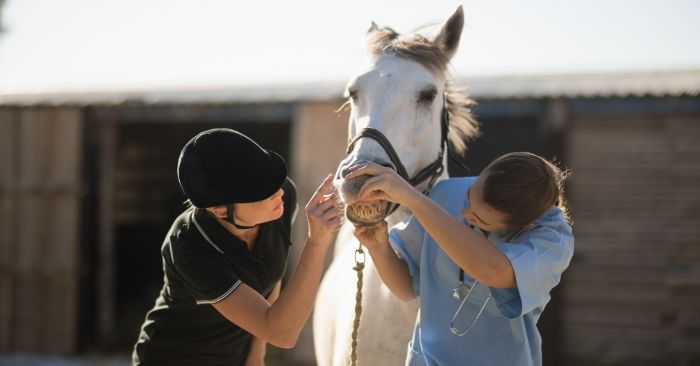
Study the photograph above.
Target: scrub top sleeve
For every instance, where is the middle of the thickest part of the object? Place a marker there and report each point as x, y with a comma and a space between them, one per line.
205, 273
539, 256
407, 240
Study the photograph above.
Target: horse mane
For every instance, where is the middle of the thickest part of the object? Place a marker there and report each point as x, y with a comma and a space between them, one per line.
418, 48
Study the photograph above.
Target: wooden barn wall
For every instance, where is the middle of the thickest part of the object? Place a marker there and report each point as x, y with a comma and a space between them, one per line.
40, 184
633, 290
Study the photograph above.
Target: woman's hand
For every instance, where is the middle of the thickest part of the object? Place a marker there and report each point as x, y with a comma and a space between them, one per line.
372, 238
322, 214
385, 184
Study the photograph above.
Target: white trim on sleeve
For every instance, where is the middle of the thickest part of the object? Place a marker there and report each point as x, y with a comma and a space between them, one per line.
234, 287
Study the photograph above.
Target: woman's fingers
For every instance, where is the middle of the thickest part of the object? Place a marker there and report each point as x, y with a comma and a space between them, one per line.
323, 188
323, 206
329, 214
374, 184
334, 223
360, 234
365, 169
375, 195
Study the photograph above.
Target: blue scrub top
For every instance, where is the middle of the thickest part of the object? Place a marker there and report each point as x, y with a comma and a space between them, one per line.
506, 332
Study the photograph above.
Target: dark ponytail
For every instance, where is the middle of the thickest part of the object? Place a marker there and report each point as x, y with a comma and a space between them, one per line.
524, 186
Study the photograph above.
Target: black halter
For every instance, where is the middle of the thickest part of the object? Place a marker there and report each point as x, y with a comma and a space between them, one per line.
432, 171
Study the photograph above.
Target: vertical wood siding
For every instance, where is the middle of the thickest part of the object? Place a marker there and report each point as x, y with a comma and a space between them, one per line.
633, 290
40, 184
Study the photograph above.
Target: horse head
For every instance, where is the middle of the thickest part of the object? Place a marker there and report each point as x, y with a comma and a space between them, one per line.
404, 108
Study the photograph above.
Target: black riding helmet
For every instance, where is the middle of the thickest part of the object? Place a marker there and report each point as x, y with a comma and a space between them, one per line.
223, 166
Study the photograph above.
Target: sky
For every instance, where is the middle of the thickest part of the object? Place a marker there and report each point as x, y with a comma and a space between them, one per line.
83, 45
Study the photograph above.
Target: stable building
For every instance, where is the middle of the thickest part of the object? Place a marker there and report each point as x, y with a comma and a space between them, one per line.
88, 189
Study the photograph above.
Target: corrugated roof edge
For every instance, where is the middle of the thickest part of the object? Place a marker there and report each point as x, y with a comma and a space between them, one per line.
656, 84
638, 84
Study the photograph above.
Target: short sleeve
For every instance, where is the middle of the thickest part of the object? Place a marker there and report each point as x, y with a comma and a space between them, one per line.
539, 257
206, 274
407, 240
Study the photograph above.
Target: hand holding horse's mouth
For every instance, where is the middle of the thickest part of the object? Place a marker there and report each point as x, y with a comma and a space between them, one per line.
363, 212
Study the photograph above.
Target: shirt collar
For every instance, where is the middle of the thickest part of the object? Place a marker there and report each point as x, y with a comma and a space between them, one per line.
215, 234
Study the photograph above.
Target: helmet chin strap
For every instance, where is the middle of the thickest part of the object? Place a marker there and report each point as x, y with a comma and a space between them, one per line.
229, 218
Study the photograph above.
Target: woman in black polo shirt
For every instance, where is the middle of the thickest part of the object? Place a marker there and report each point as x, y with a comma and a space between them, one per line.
224, 257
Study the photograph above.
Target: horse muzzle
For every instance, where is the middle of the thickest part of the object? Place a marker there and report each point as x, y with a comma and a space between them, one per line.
360, 213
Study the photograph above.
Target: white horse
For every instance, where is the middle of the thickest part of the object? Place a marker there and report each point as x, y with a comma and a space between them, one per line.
400, 99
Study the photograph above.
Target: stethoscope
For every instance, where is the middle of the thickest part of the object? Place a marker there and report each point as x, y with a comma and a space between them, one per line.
457, 294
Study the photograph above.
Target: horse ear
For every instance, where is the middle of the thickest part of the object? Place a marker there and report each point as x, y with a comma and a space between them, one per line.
372, 28
451, 32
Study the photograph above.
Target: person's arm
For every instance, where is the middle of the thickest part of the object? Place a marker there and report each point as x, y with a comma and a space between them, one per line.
256, 354
392, 269
280, 323
471, 251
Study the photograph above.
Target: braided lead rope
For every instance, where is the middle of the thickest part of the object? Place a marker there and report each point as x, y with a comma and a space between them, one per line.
359, 266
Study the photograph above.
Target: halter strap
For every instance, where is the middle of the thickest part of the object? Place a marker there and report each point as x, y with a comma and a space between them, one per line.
385, 144
432, 171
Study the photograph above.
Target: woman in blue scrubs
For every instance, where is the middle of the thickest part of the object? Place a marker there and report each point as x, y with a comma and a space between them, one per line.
482, 253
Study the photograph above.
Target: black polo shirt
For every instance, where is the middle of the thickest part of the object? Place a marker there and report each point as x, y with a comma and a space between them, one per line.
203, 263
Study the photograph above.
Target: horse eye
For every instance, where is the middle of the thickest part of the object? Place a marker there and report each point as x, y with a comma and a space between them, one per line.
427, 96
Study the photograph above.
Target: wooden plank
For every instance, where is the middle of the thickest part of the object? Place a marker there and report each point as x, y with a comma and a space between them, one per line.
638, 316
615, 275
105, 271
31, 234
621, 335
62, 266
9, 129
631, 295
63, 182
61, 332
632, 192
30, 313
587, 351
